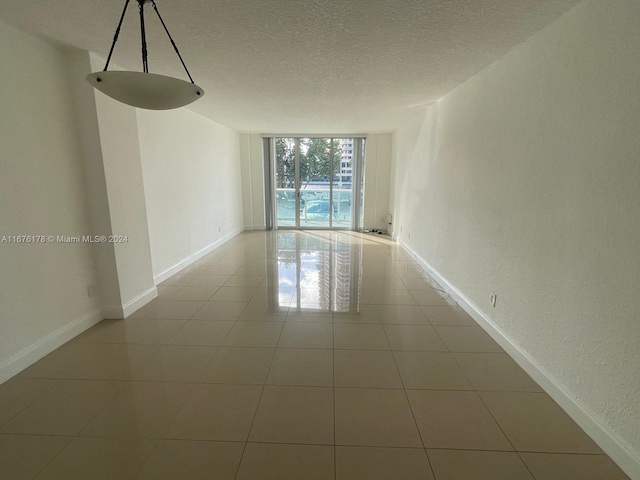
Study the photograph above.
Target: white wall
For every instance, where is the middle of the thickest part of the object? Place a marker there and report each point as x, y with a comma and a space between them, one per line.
43, 287
377, 173
118, 129
525, 182
97, 199
252, 159
71, 162
192, 183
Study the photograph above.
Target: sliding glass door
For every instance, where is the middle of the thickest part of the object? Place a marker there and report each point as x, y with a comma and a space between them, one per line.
286, 170
314, 181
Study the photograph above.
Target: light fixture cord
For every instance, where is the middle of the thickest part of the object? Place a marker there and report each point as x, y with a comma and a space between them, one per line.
175, 47
115, 37
143, 35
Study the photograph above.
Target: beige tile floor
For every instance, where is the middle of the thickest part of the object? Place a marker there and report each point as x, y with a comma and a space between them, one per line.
290, 355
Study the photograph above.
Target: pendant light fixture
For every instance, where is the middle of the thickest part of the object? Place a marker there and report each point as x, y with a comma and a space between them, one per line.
144, 89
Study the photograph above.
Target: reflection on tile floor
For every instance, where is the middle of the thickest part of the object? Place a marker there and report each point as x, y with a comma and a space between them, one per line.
290, 355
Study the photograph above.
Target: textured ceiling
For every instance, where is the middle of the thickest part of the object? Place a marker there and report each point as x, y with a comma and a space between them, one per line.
302, 66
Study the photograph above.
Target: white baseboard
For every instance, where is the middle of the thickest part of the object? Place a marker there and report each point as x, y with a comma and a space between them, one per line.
139, 302
112, 311
161, 277
123, 311
621, 453
46, 345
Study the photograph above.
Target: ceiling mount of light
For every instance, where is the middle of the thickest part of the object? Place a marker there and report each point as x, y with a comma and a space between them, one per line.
144, 89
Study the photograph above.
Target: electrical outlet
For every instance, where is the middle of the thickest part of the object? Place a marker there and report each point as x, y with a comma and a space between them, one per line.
494, 297
219, 229
409, 236
401, 229
91, 290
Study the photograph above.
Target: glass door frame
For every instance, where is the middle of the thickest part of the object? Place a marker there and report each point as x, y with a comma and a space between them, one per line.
357, 182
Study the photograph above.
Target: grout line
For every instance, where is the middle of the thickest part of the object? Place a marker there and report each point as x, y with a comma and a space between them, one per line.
264, 384
71, 439
525, 464
333, 365
55, 382
415, 422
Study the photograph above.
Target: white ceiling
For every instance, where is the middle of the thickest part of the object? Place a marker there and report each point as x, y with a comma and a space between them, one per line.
302, 66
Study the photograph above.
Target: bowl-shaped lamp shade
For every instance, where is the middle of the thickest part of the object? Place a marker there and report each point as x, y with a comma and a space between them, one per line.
146, 90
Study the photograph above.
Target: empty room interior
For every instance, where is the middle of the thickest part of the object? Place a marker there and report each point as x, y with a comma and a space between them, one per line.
320, 240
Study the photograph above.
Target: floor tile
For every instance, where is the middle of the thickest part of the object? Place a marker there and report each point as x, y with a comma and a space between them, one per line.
165, 292
366, 368
270, 292
313, 317
306, 335
457, 420
422, 338
195, 293
140, 409
195, 268
382, 296
416, 284
209, 280
549, 466
18, 393
495, 371
254, 334
222, 269
408, 271
99, 459
467, 339
310, 299
144, 311
247, 316
378, 463
174, 309
234, 294
302, 366
360, 337
239, 365
92, 361
23, 456
365, 314
262, 461
429, 297
220, 311
403, 315
132, 330
430, 370
245, 281
65, 409
365, 363
179, 280
294, 415
216, 412
467, 464
268, 307
388, 282
202, 333
252, 270
375, 270
373, 417
448, 315
175, 363
235, 261
535, 423
192, 460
